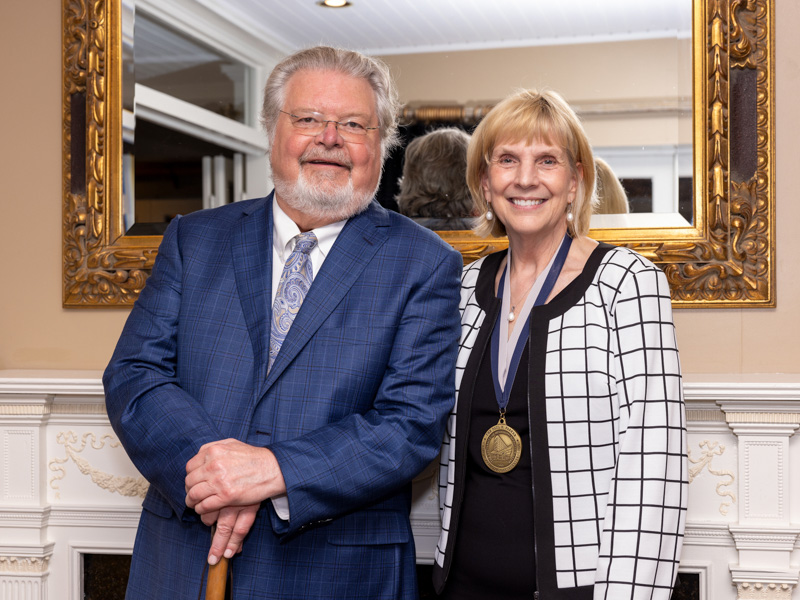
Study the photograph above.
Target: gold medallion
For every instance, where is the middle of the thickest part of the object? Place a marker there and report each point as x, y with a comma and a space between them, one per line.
501, 447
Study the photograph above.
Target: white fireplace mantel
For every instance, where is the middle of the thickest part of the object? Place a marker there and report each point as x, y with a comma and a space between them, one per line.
67, 488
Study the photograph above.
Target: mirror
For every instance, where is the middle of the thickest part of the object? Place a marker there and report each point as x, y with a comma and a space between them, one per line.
723, 259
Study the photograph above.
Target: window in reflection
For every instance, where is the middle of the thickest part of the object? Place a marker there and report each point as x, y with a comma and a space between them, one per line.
656, 179
172, 63
190, 140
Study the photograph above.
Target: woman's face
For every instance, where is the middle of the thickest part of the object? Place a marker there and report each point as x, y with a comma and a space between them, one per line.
528, 187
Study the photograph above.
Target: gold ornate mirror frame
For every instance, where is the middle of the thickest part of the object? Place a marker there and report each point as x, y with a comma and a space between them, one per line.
726, 259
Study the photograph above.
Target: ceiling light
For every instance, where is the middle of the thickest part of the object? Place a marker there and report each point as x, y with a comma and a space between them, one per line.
334, 3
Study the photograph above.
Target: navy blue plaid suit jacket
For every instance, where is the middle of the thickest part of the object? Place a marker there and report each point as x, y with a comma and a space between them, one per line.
353, 408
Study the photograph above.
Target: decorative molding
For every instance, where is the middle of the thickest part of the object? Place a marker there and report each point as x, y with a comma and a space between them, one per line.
773, 584
708, 451
707, 534
779, 430
125, 486
24, 409
12, 457
53, 397
781, 539
25, 569
24, 564
700, 415
34, 517
763, 417
79, 409
126, 517
466, 114
778, 495
47, 383
23, 586
756, 590
739, 394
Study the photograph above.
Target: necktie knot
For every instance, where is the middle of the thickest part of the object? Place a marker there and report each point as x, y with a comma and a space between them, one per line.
306, 242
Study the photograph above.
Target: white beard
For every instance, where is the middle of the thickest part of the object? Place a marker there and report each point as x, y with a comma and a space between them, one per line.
323, 201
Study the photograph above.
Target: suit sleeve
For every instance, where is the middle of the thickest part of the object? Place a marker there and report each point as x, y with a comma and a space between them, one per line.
158, 423
646, 512
364, 457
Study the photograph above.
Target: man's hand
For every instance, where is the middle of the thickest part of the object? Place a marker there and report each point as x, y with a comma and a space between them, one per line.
226, 481
233, 524
231, 473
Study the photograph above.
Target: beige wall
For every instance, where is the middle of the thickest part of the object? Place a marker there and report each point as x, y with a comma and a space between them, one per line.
620, 72
35, 332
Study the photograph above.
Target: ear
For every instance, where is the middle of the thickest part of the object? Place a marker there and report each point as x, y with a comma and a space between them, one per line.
576, 179
485, 187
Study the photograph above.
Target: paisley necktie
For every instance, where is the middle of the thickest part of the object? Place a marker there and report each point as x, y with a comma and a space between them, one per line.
292, 289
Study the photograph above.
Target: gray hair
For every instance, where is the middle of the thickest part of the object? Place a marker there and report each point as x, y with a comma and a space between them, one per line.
347, 62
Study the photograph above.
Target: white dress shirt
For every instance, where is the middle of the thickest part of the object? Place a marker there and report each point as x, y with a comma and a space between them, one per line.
284, 238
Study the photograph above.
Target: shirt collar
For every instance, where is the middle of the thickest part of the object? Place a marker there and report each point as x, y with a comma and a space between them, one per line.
285, 232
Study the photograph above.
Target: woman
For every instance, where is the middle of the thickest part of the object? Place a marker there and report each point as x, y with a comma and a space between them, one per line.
549, 486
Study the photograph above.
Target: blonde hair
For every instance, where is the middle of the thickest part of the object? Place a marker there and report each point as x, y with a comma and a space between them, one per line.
532, 115
611, 196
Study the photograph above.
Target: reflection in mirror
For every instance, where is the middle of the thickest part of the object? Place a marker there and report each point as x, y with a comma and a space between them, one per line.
637, 110
432, 189
183, 102
634, 98
658, 184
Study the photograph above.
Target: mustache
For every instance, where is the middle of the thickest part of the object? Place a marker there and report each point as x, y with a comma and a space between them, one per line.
338, 156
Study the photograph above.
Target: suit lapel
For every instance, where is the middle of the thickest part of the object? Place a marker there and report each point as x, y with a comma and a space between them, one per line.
355, 247
251, 246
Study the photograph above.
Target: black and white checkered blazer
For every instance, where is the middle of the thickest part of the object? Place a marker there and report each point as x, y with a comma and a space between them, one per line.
608, 430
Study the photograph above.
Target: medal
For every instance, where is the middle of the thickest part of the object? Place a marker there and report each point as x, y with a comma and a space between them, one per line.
501, 447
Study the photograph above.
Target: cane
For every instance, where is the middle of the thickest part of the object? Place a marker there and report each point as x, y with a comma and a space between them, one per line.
217, 576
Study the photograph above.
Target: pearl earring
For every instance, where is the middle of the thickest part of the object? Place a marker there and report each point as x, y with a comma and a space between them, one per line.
489, 216
570, 216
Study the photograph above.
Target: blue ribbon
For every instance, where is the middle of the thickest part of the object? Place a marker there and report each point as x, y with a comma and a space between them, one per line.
504, 395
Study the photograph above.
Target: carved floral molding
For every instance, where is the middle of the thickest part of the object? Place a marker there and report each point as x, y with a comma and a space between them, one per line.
125, 486
24, 564
757, 591
708, 450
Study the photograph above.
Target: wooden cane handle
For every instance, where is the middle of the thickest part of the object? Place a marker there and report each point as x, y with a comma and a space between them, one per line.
217, 578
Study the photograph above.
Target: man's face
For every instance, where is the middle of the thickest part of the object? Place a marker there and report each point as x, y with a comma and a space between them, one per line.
322, 178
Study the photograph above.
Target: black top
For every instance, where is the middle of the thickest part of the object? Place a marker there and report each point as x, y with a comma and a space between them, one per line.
494, 548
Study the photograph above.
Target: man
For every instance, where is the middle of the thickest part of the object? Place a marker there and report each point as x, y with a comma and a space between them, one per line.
299, 445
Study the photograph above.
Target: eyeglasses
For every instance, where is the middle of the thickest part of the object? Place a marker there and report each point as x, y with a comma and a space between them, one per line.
314, 123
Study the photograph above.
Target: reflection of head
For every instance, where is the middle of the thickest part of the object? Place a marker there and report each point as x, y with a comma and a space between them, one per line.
433, 183
611, 196
354, 64
531, 115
